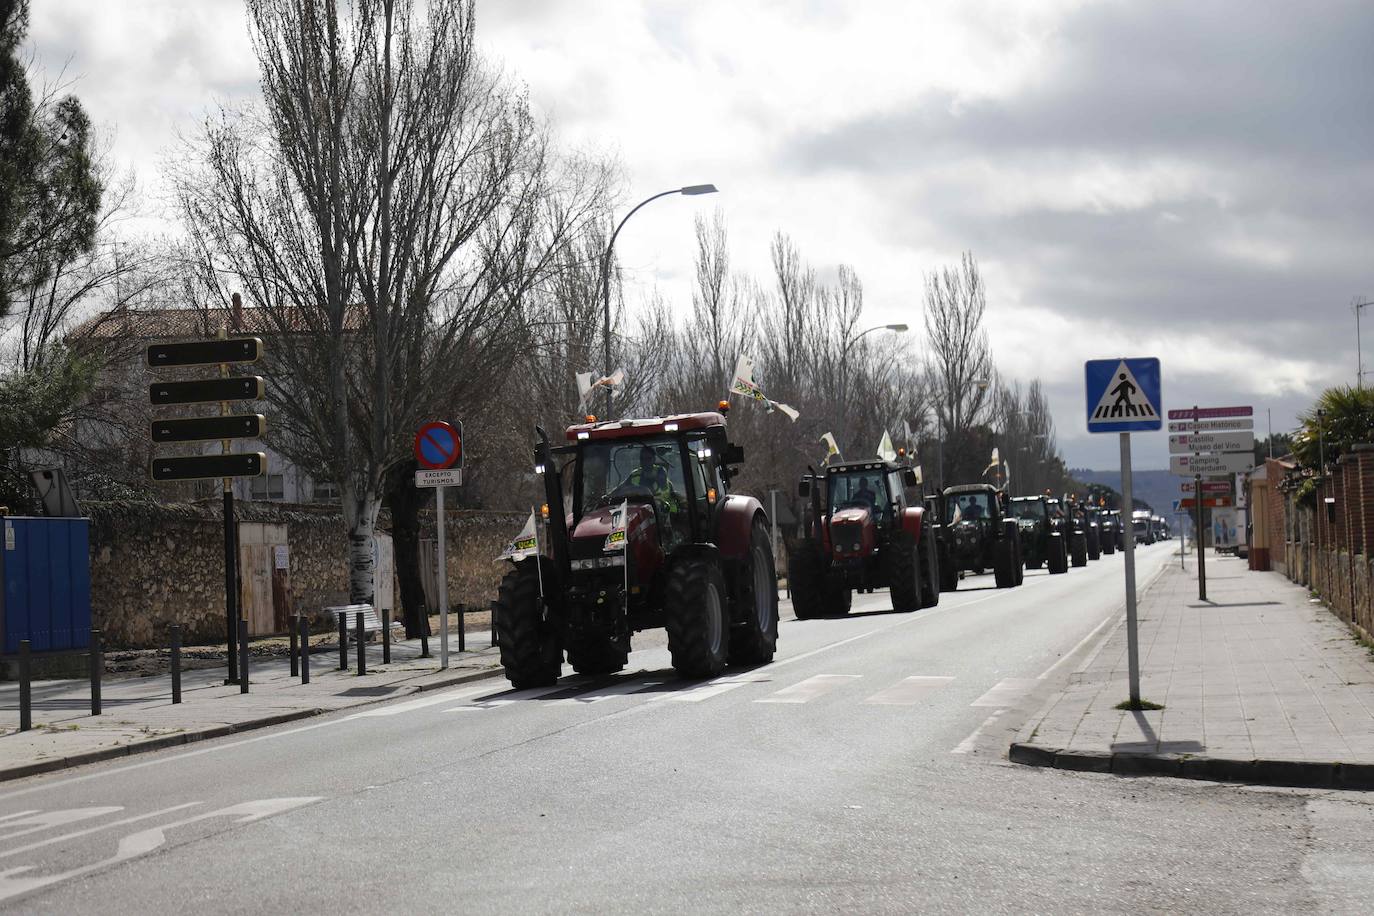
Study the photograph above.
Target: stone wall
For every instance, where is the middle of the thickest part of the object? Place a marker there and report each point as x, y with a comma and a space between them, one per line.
153, 565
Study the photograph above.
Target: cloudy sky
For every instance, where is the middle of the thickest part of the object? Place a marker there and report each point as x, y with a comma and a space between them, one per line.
1176, 179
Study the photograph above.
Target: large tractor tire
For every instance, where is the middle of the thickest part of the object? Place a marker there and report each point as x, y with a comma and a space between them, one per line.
903, 572
1058, 559
754, 639
838, 597
806, 569
1094, 545
1020, 564
694, 604
1003, 558
530, 652
1109, 545
949, 570
1078, 549
595, 655
929, 559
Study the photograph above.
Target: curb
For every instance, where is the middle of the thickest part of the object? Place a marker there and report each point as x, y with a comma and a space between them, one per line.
1300, 774
22, 770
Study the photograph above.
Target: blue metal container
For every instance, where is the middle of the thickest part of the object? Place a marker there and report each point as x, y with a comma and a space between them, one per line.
45, 583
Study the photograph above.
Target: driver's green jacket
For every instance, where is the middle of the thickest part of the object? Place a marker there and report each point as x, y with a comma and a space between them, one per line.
659, 485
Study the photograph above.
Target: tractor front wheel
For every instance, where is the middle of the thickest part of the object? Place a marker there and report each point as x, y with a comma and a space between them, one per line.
1058, 560
694, 604
839, 599
1003, 556
903, 572
806, 579
949, 571
595, 655
754, 638
930, 580
529, 645
1078, 549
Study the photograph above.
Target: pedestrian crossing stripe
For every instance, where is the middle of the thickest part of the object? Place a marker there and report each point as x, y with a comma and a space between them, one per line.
1123, 395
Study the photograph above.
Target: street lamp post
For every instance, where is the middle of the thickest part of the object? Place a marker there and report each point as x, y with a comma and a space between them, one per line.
844, 367
690, 190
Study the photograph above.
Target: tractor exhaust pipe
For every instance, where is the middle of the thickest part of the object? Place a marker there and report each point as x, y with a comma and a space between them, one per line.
553, 496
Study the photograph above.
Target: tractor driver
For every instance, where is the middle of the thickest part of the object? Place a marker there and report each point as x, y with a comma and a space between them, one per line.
865, 494
653, 476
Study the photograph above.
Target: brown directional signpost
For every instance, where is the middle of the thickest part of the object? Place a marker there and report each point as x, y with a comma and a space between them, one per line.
1215, 442
225, 427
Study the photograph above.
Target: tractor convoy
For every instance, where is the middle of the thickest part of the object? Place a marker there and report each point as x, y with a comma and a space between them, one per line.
639, 530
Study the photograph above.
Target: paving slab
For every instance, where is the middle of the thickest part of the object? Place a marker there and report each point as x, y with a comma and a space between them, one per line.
1259, 684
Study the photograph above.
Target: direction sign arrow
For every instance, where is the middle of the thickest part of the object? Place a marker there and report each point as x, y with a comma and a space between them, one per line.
1212, 442
1205, 426
207, 467
204, 352
207, 429
1211, 465
1210, 413
203, 391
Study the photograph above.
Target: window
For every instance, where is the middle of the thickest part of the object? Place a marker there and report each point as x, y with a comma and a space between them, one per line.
324, 492
269, 486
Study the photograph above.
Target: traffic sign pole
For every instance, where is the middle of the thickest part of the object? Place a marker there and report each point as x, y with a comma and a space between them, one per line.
1132, 638
443, 581
1201, 547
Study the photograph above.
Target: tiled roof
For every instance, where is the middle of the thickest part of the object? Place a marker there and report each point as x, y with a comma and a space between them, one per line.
187, 323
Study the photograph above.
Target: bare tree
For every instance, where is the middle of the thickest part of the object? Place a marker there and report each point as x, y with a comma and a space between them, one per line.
960, 361
390, 209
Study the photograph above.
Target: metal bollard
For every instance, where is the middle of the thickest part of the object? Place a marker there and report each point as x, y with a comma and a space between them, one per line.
462, 628
292, 628
97, 666
305, 649
243, 655
25, 688
362, 646
343, 641
176, 664
386, 637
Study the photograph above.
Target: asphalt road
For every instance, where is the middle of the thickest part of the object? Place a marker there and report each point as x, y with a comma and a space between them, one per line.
863, 771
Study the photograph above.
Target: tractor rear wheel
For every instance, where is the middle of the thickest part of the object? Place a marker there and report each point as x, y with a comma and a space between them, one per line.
1094, 546
1078, 549
1019, 564
529, 644
694, 604
949, 571
1109, 545
1003, 556
806, 580
754, 639
1058, 559
595, 655
903, 572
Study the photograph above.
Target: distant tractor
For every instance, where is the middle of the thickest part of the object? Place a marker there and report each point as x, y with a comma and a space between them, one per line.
983, 534
863, 533
1075, 533
1106, 529
642, 532
1041, 544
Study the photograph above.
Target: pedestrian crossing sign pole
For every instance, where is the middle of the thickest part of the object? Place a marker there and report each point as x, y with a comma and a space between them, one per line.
1123, 396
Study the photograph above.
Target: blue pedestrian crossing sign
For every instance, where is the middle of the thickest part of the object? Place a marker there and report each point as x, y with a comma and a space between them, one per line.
1123, 395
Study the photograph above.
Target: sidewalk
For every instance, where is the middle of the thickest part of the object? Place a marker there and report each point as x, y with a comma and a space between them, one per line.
1259, 684
138, 714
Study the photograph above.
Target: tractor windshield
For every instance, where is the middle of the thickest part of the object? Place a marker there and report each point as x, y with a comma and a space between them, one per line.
858, 490
614, 470
968, 507
1032, 509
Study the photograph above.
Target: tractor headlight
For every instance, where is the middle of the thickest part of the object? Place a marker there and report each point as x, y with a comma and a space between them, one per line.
599, 563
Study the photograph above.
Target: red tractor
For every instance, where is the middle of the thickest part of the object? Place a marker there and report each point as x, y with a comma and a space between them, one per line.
648, 536
863, 533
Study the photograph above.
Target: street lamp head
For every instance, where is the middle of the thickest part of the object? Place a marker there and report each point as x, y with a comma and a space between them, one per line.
980, 382
694, 189
899, 328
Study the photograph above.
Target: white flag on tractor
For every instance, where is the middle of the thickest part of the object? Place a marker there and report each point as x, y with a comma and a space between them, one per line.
886, 451
587, 383
996, 460
919, 479
744, 384
831, 449
907, 437
526, 543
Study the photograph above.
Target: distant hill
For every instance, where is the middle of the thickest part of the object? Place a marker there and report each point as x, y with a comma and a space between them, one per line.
1158, 488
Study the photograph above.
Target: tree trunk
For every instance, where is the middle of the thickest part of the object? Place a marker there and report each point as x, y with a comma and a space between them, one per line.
360, 517
405, 500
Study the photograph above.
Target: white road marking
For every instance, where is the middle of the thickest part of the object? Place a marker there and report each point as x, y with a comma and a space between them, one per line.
77, 834
396, 709
712, 688
807, 690
1007, 692
908, 692
39, 821
625, 687
10, 817
966, 746
507, 699
14, 881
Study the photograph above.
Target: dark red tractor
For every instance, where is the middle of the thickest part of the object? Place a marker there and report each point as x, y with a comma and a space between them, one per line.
863, 533
648, 536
